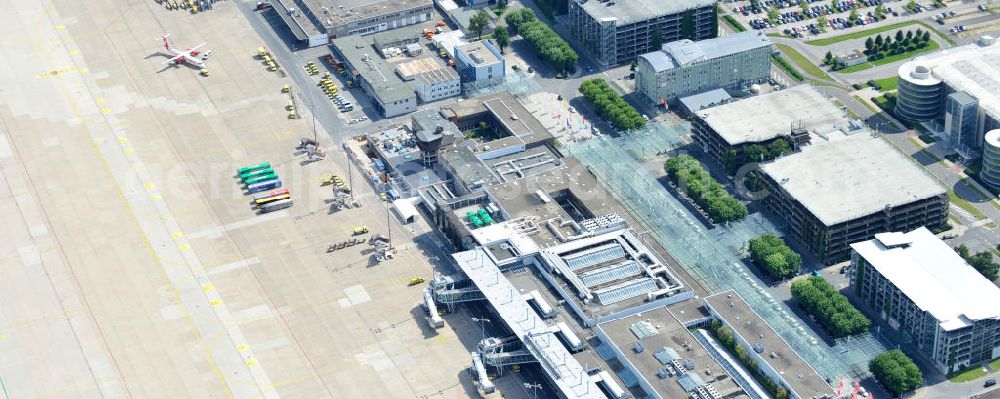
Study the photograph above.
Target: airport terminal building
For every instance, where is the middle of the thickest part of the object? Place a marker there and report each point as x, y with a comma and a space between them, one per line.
315, 23
923, 288
616, 33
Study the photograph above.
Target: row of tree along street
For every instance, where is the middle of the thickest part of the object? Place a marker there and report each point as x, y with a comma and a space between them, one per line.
611, 105
547, 43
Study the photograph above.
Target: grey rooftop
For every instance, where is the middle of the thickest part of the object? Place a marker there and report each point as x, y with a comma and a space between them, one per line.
840, 180
686, 52
629, 11
771, 115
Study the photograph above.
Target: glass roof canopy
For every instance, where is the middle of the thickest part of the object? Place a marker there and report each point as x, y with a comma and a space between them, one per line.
711, 256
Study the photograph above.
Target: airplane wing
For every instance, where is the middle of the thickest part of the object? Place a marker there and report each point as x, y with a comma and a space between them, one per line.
174, 59
195, 48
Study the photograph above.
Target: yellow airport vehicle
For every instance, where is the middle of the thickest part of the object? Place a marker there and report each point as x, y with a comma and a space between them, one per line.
416, 280
290, 106
285, 89
384, 197
261, 52
293, 115
204, 72
359, 230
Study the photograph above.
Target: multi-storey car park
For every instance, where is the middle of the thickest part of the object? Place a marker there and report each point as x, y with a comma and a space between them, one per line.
846, 190
686, 67
923, 288
798, 113
617, 32
958, 84
316, 22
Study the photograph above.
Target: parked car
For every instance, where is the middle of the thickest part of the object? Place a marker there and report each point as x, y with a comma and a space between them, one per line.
990, 382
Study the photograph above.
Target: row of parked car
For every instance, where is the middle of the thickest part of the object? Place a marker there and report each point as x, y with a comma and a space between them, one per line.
814, 11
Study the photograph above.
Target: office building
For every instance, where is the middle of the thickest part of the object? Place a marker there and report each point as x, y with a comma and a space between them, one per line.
480, 64
839, 192
316, 22
991, 160
686, 67
617, 32
958, 84
388, 92
961, 121
924, 289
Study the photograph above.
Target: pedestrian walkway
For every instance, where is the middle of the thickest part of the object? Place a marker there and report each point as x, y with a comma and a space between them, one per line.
714, 257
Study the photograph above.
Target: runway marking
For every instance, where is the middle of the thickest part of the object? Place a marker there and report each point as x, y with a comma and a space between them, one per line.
4, 147
216, 232
233, 265
29, 255
357, 295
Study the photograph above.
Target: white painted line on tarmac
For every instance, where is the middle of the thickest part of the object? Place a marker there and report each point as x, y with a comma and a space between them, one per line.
233, 266
29, 255
4, 147
216, 232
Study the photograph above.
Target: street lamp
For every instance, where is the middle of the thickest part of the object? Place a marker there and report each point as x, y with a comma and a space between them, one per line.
482, 324
534, 388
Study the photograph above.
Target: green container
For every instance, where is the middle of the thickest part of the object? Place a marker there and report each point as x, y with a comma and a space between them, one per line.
255, 179
257, 172
245, 169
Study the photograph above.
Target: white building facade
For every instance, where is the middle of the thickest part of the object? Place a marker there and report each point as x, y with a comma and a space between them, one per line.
924, 289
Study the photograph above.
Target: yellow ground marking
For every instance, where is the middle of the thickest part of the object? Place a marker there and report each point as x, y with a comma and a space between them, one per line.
184, 247
242, 347
74, 52
155, 197
60, 27
149, 186
252, 362
123, 140
216, 302
207, 287
176, 234
100, 100
129, 150
106, 110
284, 133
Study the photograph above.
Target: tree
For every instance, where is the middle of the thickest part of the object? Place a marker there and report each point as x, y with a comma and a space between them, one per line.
879, 40
896, 371
926, 37
502, 37
909, 35
899, 35
635, 64
478, 22
777, 259
804, 5
853, 17
772, 14
981, 261
656, 39
501, 4
830, 308
828, 59
880, 11
821, 23
869, 45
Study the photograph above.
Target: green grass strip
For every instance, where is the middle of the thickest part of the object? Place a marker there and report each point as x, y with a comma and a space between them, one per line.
892, 58
803, 62
870, 32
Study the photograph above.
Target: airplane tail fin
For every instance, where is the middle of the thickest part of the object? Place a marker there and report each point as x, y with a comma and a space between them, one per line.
166, 43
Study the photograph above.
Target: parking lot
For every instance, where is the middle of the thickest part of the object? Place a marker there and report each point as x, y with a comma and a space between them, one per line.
812, 19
